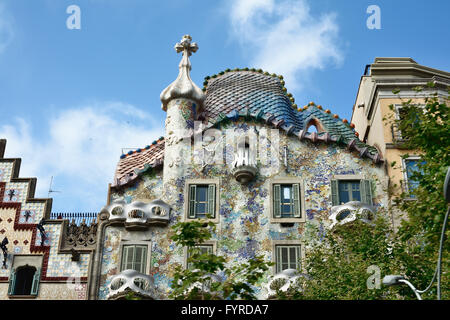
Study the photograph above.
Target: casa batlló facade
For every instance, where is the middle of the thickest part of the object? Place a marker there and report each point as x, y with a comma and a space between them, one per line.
241, 151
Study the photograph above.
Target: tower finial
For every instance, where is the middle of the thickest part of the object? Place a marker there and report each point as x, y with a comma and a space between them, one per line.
183, 86
186, 45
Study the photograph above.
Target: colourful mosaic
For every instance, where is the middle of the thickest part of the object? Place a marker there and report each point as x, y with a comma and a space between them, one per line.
245, 228
5, 171
59, 264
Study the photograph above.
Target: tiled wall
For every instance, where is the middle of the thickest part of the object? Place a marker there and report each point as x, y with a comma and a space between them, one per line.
244, 228
18, 219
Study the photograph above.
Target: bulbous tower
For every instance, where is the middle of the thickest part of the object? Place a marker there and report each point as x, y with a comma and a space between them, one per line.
182, 100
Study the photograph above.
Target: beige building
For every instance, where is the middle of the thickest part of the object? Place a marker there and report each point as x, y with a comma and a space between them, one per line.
375, 95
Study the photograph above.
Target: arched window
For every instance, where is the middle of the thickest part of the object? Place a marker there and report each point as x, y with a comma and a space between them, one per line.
314, 125
24, 281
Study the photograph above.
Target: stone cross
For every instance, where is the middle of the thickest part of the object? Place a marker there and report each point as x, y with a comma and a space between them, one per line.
186, 45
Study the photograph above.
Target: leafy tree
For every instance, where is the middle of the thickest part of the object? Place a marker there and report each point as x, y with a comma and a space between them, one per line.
338, 263
202, 280
426, 130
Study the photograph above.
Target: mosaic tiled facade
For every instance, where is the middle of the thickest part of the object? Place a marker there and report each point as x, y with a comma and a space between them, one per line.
250, 102
20, 213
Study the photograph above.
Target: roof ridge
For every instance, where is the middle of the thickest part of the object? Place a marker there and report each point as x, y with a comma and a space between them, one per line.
138, 150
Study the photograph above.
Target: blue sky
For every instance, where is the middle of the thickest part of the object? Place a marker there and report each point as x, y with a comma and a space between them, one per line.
71, 99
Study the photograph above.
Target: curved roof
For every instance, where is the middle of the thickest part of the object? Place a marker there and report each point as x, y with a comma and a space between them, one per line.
252, 90
259, 95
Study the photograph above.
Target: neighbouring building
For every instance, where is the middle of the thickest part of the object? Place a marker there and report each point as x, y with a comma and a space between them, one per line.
376, 94
241, 151
42, 257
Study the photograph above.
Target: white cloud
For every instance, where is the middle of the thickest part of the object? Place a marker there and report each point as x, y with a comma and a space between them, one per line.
6, 30
283, 37
81, 151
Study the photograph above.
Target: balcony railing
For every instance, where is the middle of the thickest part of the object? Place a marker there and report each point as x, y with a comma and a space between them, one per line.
88, 217
396, 134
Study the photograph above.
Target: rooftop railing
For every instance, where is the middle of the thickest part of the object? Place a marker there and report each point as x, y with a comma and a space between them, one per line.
88, 217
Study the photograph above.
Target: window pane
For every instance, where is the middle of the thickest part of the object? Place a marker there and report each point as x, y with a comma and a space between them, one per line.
284, 255
343, 196
349, 190
130, 253
292, 258
200, 250
202, 193
140, 259
286, 209
356, 193
201, 208
286, 193
287, 257
134, 258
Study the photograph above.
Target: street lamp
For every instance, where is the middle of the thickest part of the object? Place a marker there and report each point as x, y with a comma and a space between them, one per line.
392, 280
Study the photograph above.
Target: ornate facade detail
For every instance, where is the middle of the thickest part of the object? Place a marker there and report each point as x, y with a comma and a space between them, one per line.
82, 236
286, 280
244, 164
139, 214
131, 280
351, 211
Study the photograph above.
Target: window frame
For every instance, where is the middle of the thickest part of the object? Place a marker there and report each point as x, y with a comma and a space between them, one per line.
287, 243
22, 260
348, 177
397, 108
210, 243
284, 181
187, 200
125, 243
405, 172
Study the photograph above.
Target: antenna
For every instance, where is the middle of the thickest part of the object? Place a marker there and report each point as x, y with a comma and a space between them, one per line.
50, 188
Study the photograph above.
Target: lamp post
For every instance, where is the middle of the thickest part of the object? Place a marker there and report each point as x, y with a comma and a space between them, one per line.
394, 280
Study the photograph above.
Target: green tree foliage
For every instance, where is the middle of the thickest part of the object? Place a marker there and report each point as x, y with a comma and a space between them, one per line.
338, 263
426, 130
210, 277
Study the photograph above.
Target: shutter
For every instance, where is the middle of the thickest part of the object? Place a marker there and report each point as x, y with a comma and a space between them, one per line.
335, 192
212, 200
276, 201
12, 282
296, 196
127, 257
35, 286
192, 195
278, 257
140, 258
292, 257
299, 258
366, 192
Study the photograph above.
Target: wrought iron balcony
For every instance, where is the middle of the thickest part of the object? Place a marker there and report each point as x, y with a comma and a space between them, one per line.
397, 134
